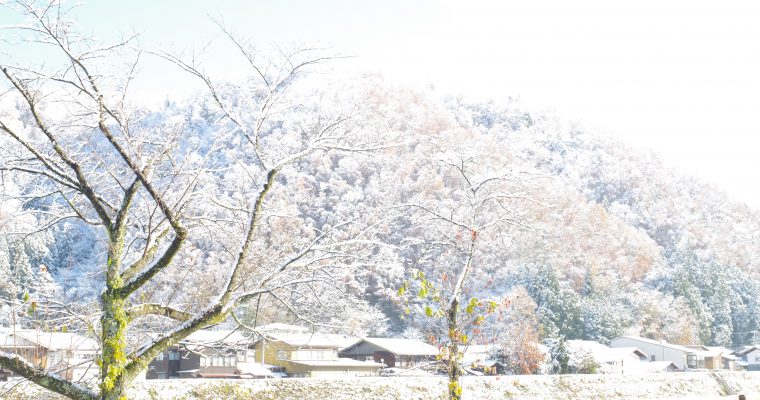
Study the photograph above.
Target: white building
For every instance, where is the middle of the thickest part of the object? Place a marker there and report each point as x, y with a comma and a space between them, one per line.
749, 358
683, 357
610, 360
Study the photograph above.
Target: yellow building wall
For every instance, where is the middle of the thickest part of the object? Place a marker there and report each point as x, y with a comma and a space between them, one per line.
269, 351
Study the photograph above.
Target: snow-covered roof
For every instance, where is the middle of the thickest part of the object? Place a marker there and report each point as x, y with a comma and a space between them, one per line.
479, 348
401, 346
729, 357
477, 352
745, 350
254, 369
283, 328
320, 340
340, 362
719, 349
220, 336
656, 342
712, 351
50, 340
602, 353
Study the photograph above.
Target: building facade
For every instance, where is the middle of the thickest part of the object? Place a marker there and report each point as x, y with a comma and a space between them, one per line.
310, 355
69, 355
393, 352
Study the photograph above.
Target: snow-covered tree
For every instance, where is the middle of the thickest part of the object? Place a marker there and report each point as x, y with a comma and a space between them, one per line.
174, 215
519, 337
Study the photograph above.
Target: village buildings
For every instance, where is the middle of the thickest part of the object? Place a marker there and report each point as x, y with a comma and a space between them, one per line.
298, 352
683, 357
281, 350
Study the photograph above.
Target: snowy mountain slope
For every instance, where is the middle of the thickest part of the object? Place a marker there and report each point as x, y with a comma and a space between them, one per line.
615, 242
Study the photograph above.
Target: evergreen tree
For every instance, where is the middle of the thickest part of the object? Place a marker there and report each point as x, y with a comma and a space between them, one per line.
8, 287
560, 359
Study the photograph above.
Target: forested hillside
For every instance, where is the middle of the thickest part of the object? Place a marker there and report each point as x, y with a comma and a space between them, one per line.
601, 238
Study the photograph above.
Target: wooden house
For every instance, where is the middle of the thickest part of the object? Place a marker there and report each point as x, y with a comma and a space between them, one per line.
393, 352
310, 355
69, 355
207, 354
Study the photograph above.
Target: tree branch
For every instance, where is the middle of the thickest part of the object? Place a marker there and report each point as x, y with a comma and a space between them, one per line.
162, 263
49, 381
140, 359
157, 309
147, 256
85, 188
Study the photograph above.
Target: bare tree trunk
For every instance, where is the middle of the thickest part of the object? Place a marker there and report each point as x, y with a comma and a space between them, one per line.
114, 344
454, 367
113, 328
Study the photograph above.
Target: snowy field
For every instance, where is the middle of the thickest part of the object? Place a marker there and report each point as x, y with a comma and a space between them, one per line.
676, 386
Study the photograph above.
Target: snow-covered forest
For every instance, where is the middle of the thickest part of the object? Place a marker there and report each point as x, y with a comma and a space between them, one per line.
605, 239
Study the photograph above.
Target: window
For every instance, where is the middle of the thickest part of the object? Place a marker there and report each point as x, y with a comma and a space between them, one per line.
203, 361
282, 355
161, 375
691, 361
160, 356
173, 355
757, 358
241, 356
652, 358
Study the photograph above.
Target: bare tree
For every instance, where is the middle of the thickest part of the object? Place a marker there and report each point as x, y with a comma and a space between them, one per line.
482, 208
153, 195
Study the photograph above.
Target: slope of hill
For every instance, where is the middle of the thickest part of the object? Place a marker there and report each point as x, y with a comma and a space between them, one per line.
608, 239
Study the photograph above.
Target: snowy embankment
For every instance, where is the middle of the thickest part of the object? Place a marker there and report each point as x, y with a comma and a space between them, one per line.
679, 386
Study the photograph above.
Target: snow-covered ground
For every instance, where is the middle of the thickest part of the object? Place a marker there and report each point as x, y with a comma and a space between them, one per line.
674, 386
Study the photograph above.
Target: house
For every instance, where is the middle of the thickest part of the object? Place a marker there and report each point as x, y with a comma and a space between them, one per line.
393, 352
477, 353
207, 354
716, 357
615, 360
309, 354
748, 358
479, 358
68, 354
683, 357
729, 359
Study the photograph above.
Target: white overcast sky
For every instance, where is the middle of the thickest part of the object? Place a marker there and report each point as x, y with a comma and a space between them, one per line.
681, 77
